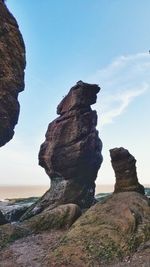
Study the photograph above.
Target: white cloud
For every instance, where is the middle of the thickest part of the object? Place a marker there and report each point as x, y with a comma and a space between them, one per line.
122, 100
126, 78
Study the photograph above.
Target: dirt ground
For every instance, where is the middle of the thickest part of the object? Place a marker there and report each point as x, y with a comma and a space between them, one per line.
31, 251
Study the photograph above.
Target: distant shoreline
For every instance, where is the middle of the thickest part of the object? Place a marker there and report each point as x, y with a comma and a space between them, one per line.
24, 191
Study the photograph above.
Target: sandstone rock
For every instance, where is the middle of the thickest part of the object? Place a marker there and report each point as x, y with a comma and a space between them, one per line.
61, 217
107, 232
11, 232
12, 65
71, 153
124, 167
2, 219
72, 149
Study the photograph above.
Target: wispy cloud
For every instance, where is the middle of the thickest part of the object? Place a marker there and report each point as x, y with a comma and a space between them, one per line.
126, 78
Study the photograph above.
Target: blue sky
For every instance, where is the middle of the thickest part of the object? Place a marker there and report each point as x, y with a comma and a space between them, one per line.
99, 41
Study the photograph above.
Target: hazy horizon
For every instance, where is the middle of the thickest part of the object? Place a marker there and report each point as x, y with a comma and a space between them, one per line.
20, 191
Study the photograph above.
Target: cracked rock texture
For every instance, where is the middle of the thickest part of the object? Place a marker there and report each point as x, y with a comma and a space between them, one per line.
12, 65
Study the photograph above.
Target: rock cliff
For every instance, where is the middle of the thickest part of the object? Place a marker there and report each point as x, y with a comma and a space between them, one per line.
12, 65
71, 153
124, 167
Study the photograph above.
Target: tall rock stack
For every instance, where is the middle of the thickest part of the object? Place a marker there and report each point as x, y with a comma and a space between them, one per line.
71, 153
12, 65
124, 167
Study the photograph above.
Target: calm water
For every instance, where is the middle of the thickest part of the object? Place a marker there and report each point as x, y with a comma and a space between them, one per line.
21, 191
31, 191
35, 191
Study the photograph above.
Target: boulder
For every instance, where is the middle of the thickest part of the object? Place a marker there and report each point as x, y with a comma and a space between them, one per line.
15, 214
71, 153
2, 219
61, 217
9, 233
12, 65
124, 167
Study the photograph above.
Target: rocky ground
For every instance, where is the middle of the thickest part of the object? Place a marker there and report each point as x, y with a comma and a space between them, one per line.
20, 254
41, 248
30, 251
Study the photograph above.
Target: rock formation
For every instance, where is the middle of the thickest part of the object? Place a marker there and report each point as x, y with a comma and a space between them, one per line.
105, 233
109, 233
112, 229
2, 218
124, 167
61, 217
12, 65
71, 153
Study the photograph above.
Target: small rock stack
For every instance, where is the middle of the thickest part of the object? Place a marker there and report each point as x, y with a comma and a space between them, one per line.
124, 167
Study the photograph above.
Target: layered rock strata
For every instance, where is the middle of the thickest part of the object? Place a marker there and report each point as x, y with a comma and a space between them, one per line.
12, 65
124, 167
71, 153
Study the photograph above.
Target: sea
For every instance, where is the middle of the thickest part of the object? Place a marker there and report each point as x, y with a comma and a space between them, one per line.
25, 191
14, 198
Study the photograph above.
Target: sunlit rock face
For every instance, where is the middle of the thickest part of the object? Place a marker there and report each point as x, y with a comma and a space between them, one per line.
124, 167
12, 65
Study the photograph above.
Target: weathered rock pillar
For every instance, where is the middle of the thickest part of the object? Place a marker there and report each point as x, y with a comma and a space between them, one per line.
71, 153
124, 167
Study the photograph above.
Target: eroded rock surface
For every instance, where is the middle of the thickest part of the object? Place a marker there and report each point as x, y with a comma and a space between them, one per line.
61, 217
71, 153
108, 232
124, 167
72, 149
12, 65
112, 229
